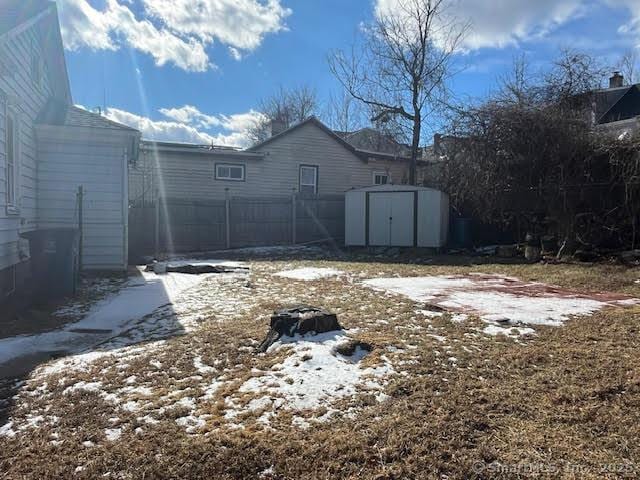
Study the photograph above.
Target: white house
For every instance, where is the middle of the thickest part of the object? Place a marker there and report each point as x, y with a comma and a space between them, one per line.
49, 149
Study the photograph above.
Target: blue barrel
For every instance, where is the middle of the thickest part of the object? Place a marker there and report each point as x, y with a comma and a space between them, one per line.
461, 232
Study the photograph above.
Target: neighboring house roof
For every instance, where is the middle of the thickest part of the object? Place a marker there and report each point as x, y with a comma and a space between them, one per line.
60, 114
198, 149
308, 121
374, 140
615, 104
363, 154
14, 13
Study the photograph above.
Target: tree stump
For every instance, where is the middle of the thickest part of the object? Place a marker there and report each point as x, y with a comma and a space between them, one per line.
298, 320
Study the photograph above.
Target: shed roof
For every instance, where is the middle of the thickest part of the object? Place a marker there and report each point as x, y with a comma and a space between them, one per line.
393, 188
58, 113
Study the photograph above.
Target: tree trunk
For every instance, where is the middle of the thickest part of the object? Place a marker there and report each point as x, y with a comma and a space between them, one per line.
414, 150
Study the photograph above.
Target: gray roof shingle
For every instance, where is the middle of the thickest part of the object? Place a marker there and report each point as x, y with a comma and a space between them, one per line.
59, 113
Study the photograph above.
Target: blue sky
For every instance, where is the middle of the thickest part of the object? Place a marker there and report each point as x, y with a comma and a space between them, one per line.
195, 70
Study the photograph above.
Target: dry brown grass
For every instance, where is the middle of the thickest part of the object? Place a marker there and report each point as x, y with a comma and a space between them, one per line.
564, 404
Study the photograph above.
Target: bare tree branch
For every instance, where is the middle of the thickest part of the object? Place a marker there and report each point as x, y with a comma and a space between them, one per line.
402, 65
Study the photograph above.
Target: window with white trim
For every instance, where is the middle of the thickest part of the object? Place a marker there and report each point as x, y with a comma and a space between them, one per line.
381, 178
308, 179
230, 171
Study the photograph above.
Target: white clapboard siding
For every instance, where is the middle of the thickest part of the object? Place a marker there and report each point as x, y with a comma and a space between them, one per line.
27, 99
94, 158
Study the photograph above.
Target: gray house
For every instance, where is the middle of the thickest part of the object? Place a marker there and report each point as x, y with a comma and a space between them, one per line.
56, 161
308, 159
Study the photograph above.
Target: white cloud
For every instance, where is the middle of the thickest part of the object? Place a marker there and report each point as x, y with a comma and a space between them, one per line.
191, 115
238, 23
84, 26
176, 31
235, 53
632, 27
498, 23
187, 125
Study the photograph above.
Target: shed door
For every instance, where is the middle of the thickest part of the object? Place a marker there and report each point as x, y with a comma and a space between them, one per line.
391, 219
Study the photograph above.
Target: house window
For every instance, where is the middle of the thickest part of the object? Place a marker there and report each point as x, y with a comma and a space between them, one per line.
227, 171
308, 179
11, 156
380, 178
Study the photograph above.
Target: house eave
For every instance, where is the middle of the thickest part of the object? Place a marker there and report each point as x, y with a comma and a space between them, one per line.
18, 29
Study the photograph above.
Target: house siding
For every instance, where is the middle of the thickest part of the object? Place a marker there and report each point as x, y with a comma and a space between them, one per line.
96, 159
28, 99
192, 175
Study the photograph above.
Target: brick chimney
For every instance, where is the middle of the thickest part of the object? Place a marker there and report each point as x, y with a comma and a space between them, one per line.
616, 80
277, 126
437, 143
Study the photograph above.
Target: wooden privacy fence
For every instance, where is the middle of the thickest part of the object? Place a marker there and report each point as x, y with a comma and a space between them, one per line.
174, 225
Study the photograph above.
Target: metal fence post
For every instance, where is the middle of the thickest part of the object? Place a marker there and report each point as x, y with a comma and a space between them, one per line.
156, 237
227, 212
80, 201
294, 215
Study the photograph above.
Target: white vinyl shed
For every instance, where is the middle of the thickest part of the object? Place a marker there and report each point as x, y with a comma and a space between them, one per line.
396, 216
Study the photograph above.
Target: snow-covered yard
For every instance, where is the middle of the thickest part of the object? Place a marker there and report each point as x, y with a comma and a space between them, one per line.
171, 359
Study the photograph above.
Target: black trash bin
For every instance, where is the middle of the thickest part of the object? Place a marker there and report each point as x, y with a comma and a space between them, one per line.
55, 261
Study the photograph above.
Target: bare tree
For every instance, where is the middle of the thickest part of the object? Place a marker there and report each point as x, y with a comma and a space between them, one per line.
573, 74
628, 65
288, 106
403, 64
345, 114
539, 165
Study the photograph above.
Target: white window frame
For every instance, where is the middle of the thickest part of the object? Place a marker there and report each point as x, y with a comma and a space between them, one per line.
381, 174
315, 178
230, 166
12, 201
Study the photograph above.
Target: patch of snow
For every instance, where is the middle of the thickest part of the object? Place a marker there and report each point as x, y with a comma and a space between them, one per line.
312, 375
7, 430
83, 386
113, 434
191, 423
494, 330
491, 298
429, 313
266, 472
139, 297
500, 307
309, 273
187, 402
130, 406
201, 367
